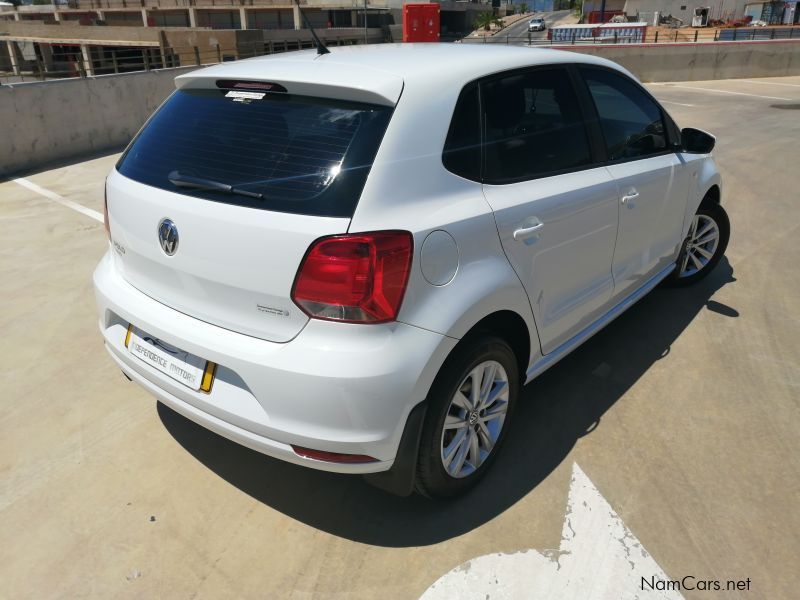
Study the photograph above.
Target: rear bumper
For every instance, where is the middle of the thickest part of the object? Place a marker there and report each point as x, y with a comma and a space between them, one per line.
335, 387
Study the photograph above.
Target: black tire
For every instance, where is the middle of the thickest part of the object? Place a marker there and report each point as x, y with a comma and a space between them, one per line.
709, 209
432, 479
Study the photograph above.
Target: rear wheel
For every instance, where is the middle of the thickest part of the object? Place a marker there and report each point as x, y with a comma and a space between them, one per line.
469, 408
704, 245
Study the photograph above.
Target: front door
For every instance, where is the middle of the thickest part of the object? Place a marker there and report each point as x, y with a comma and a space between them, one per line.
651, 179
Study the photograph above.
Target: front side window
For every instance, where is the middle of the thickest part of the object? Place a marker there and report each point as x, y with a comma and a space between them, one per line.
272, 151
533, 126
632, 123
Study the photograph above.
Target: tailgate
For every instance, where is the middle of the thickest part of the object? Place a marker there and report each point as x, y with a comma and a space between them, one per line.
233, 267
244, 180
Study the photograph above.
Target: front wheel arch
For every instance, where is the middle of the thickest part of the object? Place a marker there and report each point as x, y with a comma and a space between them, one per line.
712, 195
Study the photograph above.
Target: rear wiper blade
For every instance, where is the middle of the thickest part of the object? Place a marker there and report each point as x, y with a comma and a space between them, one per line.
200, 183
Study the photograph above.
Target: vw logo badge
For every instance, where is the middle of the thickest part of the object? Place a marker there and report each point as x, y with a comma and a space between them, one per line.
168, 236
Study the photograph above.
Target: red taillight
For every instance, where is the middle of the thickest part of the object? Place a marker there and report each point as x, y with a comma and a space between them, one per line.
336, 457
355, 278
105, 211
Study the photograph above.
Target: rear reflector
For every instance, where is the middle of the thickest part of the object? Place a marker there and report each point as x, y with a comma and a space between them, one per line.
334, 457
357, 278
208, 377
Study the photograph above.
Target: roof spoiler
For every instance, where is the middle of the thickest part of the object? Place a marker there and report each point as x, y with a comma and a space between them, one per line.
303, 76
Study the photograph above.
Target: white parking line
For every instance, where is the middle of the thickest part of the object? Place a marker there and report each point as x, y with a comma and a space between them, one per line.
771, 83
704, 89
678, 103
60, 199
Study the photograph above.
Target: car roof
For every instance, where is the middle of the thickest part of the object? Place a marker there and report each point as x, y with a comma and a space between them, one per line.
377, 73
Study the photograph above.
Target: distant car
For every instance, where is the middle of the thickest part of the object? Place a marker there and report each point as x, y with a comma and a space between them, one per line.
537, 24
355, 261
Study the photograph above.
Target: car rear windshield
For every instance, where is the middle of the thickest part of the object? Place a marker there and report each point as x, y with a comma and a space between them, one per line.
272, 151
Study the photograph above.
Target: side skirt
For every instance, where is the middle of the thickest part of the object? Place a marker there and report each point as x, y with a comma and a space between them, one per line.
547, 361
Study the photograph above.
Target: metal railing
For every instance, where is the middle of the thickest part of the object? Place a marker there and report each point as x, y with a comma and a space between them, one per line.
652, 35
64, 61
167, 4
60, 61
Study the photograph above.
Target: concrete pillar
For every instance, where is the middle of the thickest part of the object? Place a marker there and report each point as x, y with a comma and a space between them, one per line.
298, 20
162, 48
12, 53
144, 17
87, 60
17, 17
242, 18
353, 18
100, 15
192, 17
57, 15
47, 57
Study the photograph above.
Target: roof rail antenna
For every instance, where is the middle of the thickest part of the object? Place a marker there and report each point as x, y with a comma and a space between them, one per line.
321, 49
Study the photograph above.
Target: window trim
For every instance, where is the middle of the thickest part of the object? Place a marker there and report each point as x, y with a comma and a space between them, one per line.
672, 146
597, 144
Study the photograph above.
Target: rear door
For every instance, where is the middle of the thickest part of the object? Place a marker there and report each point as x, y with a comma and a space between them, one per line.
556, 210
652, 179
246, 180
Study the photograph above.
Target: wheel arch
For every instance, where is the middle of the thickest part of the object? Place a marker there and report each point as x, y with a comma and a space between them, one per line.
707, 184
509, 326
713, 194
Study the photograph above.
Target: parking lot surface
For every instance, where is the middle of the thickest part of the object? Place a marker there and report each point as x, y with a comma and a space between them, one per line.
683, 414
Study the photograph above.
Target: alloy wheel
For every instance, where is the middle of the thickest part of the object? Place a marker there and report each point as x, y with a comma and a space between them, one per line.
475, 419
701, 245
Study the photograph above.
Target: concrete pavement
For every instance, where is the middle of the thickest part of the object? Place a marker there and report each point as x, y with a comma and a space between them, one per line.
683, 413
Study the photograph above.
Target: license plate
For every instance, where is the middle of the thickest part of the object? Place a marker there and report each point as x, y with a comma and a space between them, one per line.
190, 370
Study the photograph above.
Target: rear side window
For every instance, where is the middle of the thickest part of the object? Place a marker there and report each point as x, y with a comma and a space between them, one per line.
632, 123
271, 151
462, 149
534, 126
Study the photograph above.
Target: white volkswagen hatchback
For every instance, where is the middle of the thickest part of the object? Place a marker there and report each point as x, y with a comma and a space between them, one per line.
354, 261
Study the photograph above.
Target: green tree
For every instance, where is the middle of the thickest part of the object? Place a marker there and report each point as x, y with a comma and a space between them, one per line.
523, 8
485, 21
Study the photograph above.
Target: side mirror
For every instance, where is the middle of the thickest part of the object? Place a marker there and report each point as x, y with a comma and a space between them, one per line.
697, 141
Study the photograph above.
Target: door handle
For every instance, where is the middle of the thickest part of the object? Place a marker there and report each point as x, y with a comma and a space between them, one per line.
525, 232
631, 195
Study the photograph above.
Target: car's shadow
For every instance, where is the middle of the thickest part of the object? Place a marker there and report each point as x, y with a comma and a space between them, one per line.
562, 405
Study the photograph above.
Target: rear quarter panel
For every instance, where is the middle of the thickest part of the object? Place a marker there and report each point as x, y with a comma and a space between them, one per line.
409, 189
